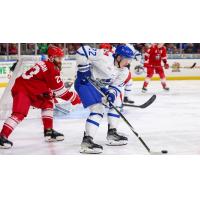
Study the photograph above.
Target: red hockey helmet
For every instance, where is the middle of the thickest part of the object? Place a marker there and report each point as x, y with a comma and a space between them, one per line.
55, 55
105, 46
54, 51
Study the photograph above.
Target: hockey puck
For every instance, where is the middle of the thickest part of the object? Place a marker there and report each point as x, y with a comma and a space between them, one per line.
164, 151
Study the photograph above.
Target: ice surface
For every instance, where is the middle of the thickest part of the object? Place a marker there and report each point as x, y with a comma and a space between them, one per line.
172, 122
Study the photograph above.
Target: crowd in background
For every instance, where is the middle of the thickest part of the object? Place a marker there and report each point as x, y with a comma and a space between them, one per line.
41, 48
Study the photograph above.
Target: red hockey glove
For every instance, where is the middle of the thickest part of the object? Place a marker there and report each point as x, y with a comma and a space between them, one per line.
75, 99
72, 97
166, 66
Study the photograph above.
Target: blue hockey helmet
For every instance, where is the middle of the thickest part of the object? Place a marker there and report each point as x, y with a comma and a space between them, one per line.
123, 51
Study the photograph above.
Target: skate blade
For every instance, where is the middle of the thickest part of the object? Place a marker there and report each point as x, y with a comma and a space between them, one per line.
116, 143
5, 147
58, 139
90, 151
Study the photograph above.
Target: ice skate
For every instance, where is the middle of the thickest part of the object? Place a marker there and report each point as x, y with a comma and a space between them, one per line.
144, 90
5, 143
128, 100
166, 89
89, 147
53, 136
114, 139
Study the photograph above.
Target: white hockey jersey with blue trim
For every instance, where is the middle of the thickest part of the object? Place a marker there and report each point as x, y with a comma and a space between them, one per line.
101, 66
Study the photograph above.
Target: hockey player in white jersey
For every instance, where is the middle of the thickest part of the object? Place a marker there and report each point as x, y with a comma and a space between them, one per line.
110, 72
138, 58
128, 87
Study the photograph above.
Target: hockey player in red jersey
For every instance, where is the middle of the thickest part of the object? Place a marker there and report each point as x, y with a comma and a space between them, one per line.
153, 58
107, 47
38, 87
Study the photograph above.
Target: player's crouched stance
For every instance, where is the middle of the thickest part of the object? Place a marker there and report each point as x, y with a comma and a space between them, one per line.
92, 99
38, 87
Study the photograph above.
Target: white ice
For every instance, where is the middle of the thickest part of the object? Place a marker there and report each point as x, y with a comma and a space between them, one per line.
171, 123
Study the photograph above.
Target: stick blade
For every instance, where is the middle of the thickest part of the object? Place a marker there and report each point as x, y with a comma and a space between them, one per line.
149, 102
158, 152
193, 65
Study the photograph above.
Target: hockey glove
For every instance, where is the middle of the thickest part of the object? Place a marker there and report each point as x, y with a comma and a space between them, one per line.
75, 99
110, 95
166, 66
72, 97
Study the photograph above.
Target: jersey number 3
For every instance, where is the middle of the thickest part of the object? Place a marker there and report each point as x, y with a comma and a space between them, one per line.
33, 71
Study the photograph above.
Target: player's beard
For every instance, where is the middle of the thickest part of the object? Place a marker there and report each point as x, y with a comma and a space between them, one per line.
58, 64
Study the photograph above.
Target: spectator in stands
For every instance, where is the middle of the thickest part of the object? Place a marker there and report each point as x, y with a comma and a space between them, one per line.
60, 45
196, 48
3, 49
176, 50
42, 47
12, 49
71, 50
170, 48
30, 49
189, 48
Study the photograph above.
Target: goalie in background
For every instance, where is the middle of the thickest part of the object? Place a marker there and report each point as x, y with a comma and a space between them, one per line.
37, 87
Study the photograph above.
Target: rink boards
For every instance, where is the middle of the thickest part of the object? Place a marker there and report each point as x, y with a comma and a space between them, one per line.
180, 69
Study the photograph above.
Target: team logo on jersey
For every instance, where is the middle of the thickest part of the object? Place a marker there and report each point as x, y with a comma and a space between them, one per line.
158, 57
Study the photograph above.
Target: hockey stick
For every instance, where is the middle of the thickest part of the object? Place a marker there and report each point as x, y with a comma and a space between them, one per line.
144, 105
126, 121
62, 110
193, 65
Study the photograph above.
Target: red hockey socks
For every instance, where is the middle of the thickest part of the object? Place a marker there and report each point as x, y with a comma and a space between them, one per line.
11, 123
47, 118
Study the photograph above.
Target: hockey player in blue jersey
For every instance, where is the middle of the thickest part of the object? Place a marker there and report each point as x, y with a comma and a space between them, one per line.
111, 73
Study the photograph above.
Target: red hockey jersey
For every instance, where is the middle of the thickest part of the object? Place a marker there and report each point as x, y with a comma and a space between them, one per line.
43, 78
154, 56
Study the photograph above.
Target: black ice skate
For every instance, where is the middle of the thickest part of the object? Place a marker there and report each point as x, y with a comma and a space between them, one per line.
144, 89
128, 101
52, 135
5, 143
89, 147
114, 139
166, 89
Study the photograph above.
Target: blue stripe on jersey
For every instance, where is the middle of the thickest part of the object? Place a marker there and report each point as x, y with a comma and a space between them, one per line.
106, 81
138, 54
84, 65
127, 90
83, 68
115, 88
92, 113
92, 122
113, 115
